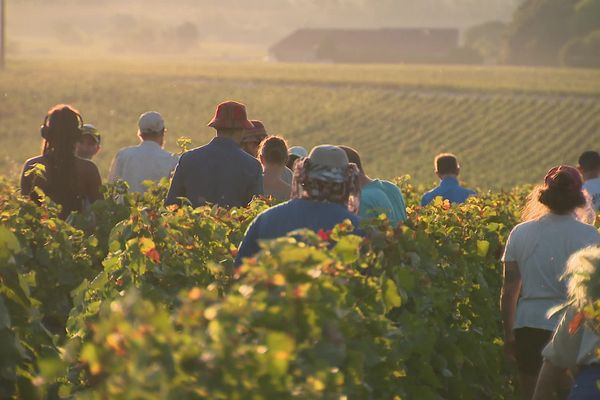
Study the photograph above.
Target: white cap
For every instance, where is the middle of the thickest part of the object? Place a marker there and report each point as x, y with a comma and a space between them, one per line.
297, 151
151, 122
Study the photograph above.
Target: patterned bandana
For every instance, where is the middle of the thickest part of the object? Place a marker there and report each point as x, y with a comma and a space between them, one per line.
320, 183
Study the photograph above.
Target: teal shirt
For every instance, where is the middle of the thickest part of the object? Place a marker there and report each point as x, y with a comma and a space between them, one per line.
379, 197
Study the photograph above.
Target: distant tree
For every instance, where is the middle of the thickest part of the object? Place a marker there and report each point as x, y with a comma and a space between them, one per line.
488, 39
539, 29
582, 52
184, 36
586, 18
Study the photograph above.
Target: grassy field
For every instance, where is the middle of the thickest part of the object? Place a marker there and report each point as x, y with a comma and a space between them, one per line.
508, 125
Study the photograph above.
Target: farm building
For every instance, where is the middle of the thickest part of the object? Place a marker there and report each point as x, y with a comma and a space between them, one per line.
390, 45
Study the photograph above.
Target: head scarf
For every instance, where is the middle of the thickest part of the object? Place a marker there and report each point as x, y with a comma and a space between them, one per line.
321, 183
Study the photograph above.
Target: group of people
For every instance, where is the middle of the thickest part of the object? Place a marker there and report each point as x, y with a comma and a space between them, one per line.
325, 187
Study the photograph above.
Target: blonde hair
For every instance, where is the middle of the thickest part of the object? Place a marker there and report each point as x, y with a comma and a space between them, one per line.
580, 268
534, 209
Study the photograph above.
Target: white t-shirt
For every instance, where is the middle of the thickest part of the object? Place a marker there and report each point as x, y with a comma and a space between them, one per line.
592, 186
146, 161
541, 249
568, 351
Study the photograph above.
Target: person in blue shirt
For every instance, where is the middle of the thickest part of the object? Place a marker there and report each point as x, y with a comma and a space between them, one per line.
220, 172
325, 193
447, 169
377, 196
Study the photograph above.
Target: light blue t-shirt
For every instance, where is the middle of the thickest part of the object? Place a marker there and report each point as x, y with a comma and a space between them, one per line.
449, 189
382, 197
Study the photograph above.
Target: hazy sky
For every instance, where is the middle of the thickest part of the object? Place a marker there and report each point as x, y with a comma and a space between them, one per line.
43, 26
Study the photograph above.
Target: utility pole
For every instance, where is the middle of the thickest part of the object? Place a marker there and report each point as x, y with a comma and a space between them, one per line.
2, 34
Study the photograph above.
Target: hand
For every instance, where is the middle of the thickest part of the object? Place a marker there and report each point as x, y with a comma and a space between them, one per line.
510, 349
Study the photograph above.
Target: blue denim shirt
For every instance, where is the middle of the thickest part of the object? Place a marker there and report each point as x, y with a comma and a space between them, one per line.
295, 214
217, 173
449, 189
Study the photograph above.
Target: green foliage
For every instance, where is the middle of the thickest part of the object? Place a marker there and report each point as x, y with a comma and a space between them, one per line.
488, 39
546, 32
157, 310
539, 29
586, 18
582, 52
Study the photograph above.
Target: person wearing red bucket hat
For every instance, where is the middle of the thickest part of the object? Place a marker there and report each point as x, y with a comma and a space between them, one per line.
534, 260
253, 137
231, 115
219, 172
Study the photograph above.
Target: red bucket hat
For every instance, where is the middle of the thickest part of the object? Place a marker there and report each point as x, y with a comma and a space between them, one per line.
231, 115
256, 134
571, 172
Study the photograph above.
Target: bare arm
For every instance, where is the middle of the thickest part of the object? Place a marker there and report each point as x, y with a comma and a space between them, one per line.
511, 288
546, 387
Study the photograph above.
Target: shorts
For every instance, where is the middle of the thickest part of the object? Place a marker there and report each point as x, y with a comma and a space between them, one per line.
529, 343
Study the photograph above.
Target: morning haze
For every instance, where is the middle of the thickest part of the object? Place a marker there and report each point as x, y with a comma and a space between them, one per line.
217, 30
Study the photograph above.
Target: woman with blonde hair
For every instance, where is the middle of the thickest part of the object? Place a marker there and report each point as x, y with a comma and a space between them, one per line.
534, 261
575, 345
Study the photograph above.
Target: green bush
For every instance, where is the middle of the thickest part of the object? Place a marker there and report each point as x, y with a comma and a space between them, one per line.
156, 309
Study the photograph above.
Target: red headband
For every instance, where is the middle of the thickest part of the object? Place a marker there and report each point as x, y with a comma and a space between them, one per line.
571, 172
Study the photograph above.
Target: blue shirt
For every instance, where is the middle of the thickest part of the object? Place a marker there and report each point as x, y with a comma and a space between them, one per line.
295, 214
449, 189
378, 197
217, 173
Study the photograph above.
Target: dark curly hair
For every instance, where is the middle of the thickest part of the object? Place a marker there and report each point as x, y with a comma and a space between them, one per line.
63, 130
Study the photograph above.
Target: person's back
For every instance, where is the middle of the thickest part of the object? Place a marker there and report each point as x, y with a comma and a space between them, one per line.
87, 185
220, 172
449, 189
292, 215
147, 161
323, 196
381, 196
68, 180
447, 169
589, 166
275, 187
272, 154
541, 248
534, 261
377, 196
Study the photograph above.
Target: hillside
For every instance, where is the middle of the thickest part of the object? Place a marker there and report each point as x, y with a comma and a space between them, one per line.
508, 125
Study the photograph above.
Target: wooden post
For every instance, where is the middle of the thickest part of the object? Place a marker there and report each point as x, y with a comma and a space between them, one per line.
2, 34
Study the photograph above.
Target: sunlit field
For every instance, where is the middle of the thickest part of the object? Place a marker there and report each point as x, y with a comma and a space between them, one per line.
508, 125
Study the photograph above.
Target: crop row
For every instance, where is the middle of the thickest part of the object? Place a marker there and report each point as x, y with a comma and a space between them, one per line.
136, 301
